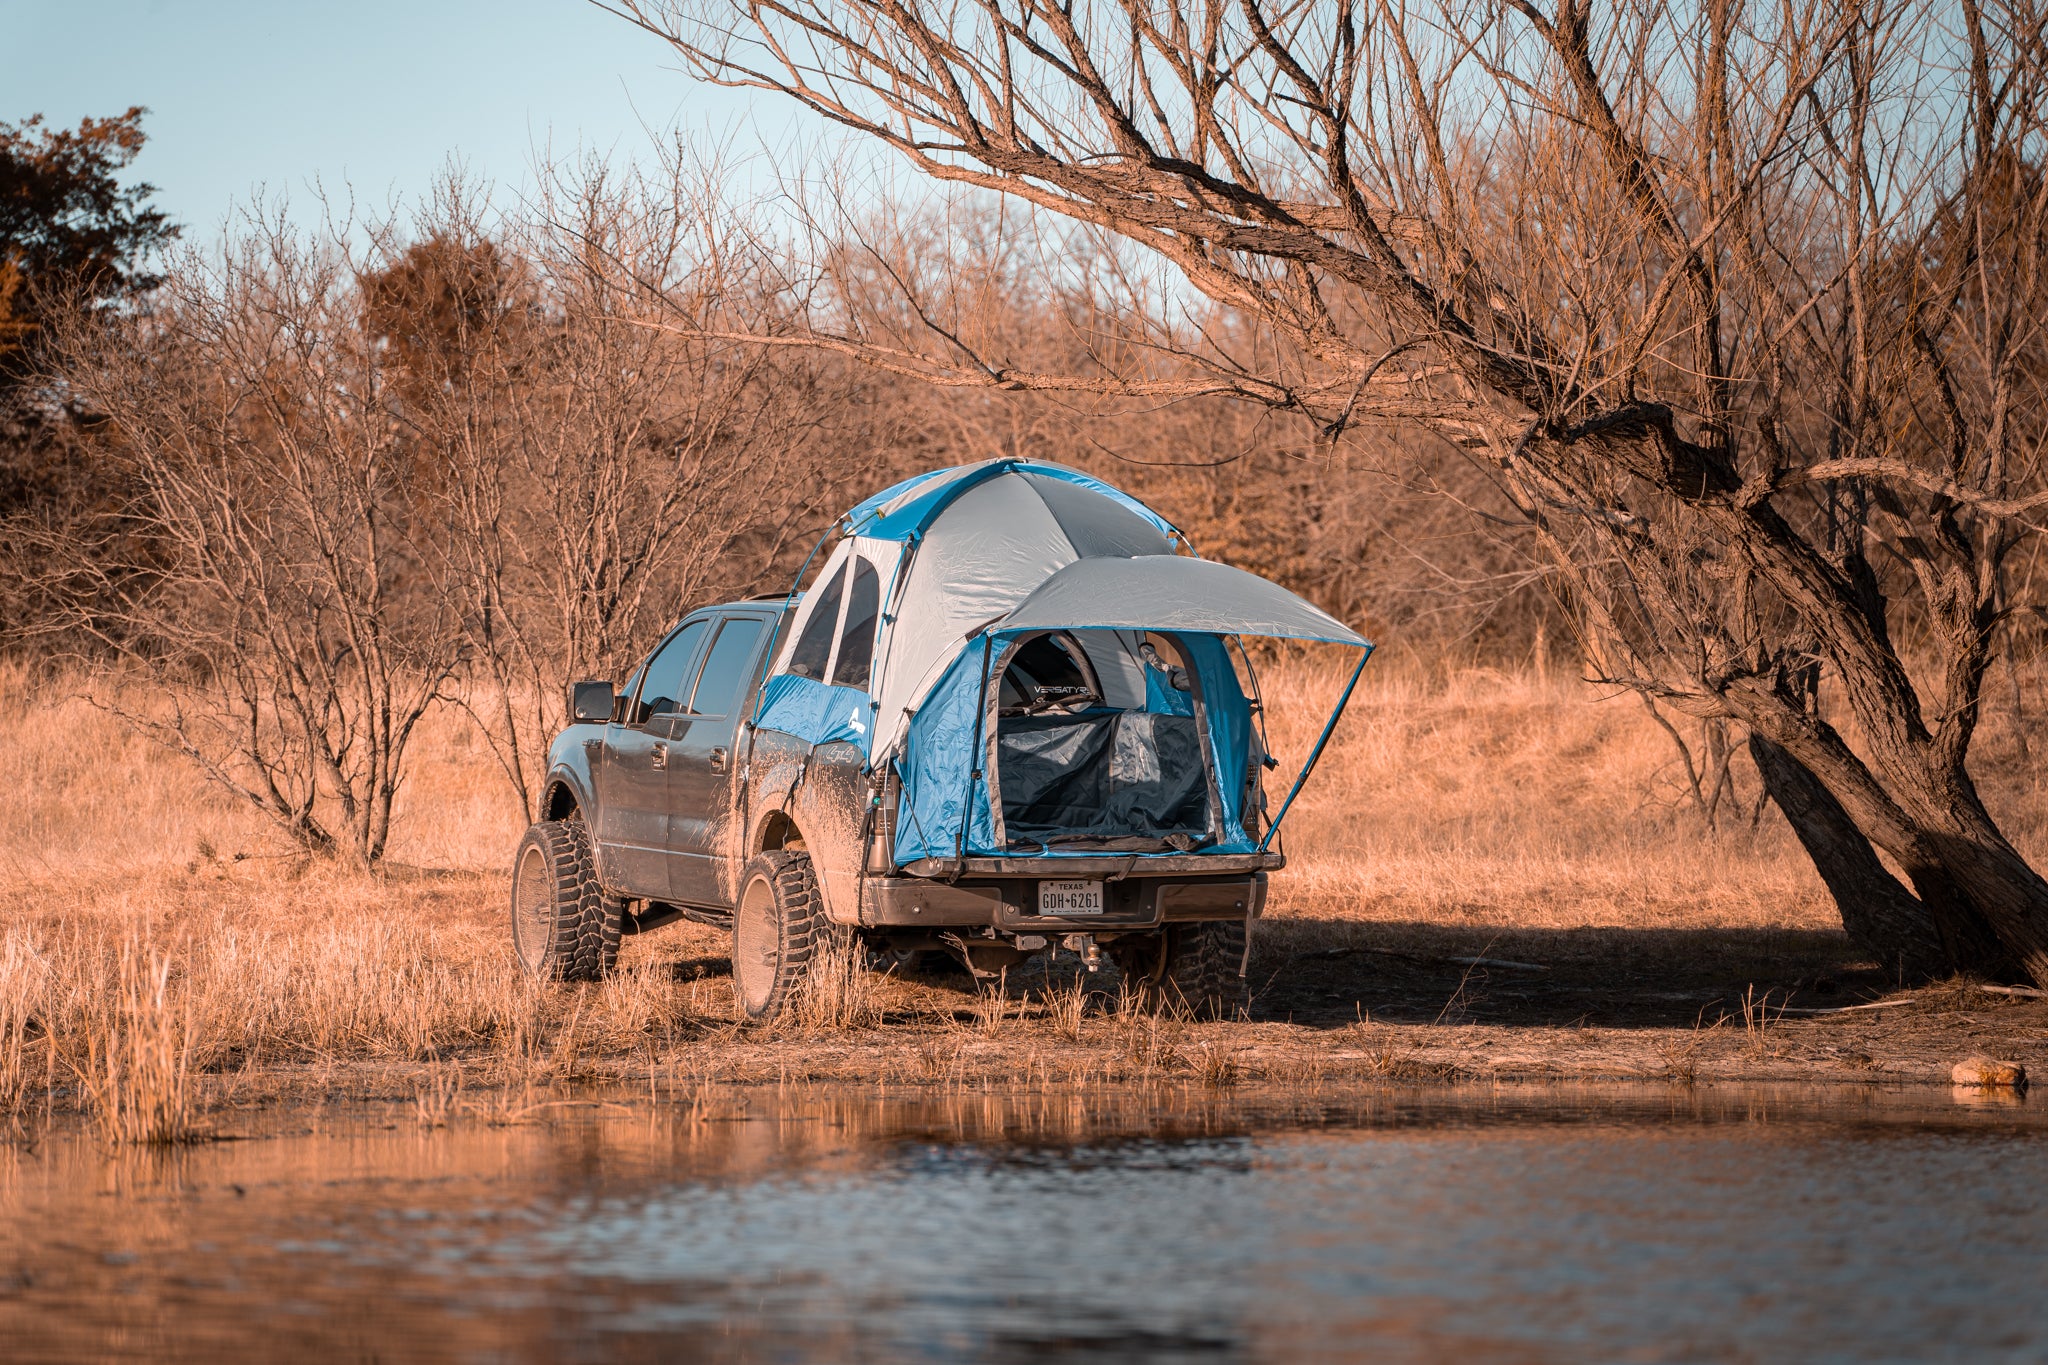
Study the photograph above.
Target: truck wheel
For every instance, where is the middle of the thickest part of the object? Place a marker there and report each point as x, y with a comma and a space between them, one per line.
564, 928
1188, 966
776, 927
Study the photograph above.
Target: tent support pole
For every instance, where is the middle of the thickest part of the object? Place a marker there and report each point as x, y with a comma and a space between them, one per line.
1317, 752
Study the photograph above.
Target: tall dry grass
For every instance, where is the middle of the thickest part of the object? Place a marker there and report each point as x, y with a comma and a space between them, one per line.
840, 992
160, 946
137, 1039
158, 941
1532, 800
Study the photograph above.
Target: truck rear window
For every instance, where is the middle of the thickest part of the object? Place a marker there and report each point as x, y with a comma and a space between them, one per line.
725, 669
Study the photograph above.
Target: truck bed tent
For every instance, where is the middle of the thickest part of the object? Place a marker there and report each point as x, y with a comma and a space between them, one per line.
1046, 674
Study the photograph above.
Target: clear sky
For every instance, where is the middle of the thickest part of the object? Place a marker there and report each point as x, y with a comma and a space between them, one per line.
376, 94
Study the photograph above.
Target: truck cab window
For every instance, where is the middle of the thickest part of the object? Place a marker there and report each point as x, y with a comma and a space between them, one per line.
667, 674
726, 666
857, 641
814, 647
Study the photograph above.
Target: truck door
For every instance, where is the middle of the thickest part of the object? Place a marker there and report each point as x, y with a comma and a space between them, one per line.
633, 794
700, 760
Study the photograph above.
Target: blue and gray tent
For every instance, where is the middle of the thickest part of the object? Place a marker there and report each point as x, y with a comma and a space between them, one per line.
995, 580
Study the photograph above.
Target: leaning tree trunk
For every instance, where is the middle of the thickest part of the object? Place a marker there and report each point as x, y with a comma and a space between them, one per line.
1987, 907
1881, 916
1974, 866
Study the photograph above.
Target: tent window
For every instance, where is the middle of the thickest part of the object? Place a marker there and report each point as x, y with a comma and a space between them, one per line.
857, 641
814, 647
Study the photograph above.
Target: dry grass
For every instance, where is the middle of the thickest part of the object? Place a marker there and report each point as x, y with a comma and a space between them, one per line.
1528, 801
136, 1067
159, 947
993, 1007
1065, 1005
839, 993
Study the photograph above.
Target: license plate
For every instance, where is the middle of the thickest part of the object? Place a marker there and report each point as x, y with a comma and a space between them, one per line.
1070, 898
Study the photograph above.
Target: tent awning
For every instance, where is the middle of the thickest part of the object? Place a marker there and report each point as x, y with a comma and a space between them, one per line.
1170, 592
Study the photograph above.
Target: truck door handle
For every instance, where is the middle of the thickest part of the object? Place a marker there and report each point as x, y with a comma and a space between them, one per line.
658, 756
718, 760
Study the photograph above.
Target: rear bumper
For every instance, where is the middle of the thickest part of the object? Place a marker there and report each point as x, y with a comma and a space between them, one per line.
1113, 865
1008, 902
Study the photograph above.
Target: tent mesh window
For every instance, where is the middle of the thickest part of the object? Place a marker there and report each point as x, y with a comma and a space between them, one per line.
1077, 772
857, 641
814, 647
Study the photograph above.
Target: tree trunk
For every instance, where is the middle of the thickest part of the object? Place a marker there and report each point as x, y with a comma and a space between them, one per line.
1988, 908
1974, 864
1881, 916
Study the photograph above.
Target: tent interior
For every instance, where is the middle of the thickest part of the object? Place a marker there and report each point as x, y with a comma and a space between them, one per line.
1098, 745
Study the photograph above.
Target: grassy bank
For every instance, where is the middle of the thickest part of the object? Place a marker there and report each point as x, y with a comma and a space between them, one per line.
1491, 875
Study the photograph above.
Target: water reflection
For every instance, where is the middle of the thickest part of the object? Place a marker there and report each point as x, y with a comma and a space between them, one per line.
1500, 1224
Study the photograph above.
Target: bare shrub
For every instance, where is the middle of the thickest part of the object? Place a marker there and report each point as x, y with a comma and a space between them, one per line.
261, 575
1379, 527
597, 473
373, 464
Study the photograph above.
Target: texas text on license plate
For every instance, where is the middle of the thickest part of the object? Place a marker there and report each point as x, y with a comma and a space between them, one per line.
1070, 898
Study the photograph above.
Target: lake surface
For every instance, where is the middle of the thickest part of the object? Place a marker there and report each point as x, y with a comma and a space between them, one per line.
1521, 1224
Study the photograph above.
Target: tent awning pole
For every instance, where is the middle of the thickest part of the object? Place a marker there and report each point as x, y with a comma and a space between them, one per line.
1317, 752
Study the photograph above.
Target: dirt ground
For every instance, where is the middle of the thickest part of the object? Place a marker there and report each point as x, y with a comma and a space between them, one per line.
1332, 1003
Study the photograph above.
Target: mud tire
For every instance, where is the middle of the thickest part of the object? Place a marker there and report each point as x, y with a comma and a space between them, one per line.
1191, 967
564, 928
778, 925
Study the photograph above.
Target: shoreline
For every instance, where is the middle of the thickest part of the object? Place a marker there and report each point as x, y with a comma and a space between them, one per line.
1847, 1053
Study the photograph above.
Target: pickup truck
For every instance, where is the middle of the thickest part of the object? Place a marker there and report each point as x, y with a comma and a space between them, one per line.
1009, 713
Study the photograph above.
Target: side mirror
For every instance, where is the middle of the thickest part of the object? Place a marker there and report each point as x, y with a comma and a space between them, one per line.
590, 701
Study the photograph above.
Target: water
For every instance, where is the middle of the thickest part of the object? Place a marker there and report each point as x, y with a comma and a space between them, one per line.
1534, 1224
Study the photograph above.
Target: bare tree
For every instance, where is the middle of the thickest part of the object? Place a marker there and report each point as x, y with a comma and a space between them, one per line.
1401, 532
599, 475
1740, 303
265, 576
